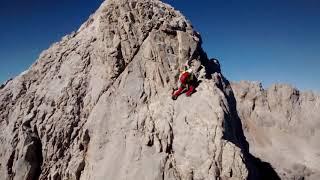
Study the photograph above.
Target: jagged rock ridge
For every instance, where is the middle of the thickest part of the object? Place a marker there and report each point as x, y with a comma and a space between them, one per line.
97, 105
282, 126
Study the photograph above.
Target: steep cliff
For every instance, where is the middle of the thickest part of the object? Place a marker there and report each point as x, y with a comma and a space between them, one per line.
282, 126
97, 105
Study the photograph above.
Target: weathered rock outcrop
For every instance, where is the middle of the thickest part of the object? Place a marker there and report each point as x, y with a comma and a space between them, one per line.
282, 126
97, 105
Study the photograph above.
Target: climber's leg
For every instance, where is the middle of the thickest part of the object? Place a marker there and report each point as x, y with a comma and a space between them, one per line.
178, 92
190, 90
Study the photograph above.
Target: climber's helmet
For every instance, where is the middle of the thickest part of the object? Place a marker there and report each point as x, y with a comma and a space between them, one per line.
189, 71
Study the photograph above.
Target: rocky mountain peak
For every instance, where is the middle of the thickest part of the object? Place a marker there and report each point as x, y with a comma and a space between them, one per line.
97, 105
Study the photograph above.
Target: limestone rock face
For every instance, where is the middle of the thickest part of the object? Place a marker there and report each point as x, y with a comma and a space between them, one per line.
282, 126
97, 105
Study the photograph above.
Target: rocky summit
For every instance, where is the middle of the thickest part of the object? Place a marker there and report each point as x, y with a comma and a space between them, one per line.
97, 106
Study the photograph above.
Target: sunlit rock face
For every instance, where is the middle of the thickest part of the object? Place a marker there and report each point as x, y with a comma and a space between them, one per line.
97, 105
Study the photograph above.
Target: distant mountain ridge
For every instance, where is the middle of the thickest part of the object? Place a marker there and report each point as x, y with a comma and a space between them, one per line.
282, 126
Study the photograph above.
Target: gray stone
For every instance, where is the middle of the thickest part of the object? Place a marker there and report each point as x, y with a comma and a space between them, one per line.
97, 105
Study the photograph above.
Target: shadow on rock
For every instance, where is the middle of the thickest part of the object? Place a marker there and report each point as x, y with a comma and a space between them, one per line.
257, 168
261, 170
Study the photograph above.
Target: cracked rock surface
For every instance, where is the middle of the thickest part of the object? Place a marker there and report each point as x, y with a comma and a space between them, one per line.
282, 125
97, 105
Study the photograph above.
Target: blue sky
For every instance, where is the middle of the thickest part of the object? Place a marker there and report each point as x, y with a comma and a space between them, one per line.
267, 40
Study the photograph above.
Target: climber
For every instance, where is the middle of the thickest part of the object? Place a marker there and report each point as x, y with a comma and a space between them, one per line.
187, 82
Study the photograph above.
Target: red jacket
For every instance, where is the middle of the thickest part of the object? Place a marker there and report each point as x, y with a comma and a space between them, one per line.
185, 78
